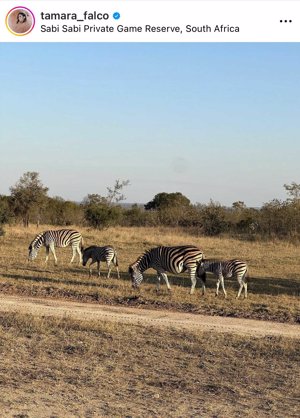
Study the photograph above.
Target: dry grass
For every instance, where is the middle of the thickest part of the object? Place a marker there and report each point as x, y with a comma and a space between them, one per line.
64, 368
61, 368
273, 285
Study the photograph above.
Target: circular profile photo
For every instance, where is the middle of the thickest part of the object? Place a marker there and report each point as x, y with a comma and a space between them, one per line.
20, 21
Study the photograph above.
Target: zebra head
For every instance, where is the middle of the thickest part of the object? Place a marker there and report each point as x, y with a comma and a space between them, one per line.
35, 245
32, 252
136, 275
85, 257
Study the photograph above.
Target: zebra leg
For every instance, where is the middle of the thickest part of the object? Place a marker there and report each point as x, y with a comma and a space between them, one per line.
194, 281
240, 289
166, 280
90, 268
80, 254
47, 255
51, 246
109, 269
118, 272
218, 284
246, 290
98, 265
73, 254
202, 277
203, 287
158, 282
223, 287
115, 261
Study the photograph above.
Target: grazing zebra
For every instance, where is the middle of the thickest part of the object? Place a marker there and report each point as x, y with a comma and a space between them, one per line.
224, 269
167, 259
59, 238
98, 254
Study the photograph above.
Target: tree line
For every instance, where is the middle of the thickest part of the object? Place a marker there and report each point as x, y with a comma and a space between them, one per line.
29, 202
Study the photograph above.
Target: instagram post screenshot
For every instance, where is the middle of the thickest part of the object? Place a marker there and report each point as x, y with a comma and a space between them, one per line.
149, 209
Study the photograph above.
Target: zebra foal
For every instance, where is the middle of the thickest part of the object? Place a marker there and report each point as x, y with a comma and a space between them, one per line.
98, 254
167, 259
224, 269
56, 238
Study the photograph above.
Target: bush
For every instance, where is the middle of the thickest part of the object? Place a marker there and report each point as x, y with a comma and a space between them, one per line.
102, 216
213, 218
136, 216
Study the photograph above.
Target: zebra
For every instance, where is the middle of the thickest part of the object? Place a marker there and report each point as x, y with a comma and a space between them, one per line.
167, 259
224, 269
56, 238
98, 254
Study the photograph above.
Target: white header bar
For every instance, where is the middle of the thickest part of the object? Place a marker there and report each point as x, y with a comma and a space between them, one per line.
150, 21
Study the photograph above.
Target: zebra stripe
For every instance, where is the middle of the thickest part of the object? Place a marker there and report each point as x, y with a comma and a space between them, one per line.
56, 238
225, 269
167, 259
98, 254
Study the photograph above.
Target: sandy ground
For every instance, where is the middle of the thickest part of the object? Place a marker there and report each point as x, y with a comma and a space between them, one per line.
145, 317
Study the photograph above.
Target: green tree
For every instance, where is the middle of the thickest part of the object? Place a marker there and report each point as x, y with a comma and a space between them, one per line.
214, 218
4, 212
273, 218
171, 208
4, 209
62, 212
28, 197
102, 212
102, 215
135, 216
238, 206
167, 200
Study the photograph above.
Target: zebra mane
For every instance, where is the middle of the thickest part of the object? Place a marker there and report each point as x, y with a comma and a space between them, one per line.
38, 238
212, 260
217, 260
143, 257
90, 247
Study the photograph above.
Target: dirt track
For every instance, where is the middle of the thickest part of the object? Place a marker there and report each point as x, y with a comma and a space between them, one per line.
145, 317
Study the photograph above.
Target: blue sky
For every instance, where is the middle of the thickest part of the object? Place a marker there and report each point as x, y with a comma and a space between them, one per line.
216, 121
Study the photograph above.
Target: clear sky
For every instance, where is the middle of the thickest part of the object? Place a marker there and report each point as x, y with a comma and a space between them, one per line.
218, 121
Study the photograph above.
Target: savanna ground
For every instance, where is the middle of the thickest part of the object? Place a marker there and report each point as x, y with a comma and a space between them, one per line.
62, 367
274, 283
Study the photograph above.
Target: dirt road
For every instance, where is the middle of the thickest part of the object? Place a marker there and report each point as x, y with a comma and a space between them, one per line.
145, 317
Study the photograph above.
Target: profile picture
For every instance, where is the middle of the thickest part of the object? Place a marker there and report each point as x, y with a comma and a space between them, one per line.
20, 21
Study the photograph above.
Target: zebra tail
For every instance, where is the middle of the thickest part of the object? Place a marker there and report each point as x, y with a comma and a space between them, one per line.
246, 276
81, 246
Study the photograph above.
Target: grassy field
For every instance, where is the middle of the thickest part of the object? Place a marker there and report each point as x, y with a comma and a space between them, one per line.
274, 284
62, 368
59, 367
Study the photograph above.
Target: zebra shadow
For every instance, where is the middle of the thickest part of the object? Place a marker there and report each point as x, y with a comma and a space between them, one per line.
43, 279
37, 270
274, 286
259, 285
31, 278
